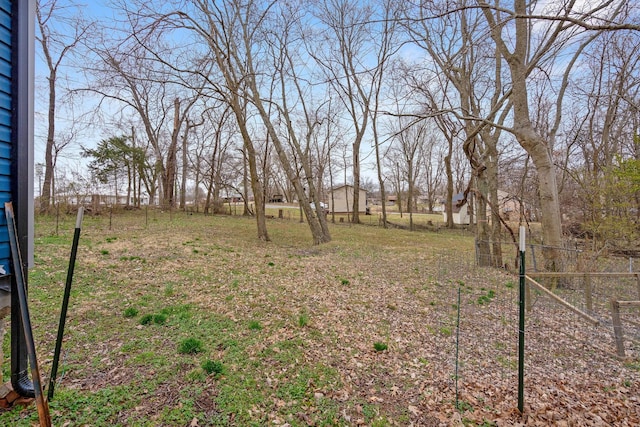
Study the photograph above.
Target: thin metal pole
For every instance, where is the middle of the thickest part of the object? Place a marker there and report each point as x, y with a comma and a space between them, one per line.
41, 402
65, 303
521, 325
457, 346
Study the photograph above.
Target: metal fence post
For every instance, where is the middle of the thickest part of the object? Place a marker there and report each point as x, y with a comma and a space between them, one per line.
521, 326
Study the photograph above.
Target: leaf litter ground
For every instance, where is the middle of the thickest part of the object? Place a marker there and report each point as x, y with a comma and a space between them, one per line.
295, 326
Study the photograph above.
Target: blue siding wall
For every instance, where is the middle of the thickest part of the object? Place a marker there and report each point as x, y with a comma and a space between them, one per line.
5, 127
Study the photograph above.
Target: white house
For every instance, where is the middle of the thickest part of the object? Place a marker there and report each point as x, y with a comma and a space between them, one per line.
460, 214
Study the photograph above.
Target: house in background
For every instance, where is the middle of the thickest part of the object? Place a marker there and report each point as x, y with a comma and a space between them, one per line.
460, 214
341, 199
509, 207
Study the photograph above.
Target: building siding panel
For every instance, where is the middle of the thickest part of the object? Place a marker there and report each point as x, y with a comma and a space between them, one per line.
5, 126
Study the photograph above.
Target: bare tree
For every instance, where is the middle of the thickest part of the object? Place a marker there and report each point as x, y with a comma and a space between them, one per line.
411, 144
474, 70
530, 41
55, 44
601, 137
353, 34
249, 44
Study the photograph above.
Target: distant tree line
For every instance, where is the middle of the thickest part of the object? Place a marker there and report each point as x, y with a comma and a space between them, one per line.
201, 99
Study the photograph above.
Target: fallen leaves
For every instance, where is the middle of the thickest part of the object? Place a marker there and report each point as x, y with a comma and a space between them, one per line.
402, 289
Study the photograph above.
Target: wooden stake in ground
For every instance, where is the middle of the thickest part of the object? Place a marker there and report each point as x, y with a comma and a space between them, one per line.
41, 402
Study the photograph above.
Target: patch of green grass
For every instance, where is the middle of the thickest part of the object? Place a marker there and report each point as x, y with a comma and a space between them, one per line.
149, 358
195, 375
380, 421
379, 346
104, 252
369, 411
190, 346
633, 365
507, 363
487, 298
214, 367
255, 325
168, 290
130, 312
303, 320
344, 281
146, 319
131, 258
159, 319
446, 331
464, 406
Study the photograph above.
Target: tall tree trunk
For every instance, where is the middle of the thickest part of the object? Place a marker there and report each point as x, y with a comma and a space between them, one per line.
169, 172
185, 169
256, 185
496, 225
245, 187
383, 194
356, 181
482, 230
534, 144
410, 195
525, 132
449, 171
47, 185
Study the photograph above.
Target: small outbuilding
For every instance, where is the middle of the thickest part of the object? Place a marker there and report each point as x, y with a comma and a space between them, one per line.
460, 213
341, 199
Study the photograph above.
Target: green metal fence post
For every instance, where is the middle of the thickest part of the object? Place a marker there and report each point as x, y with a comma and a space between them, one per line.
521, 325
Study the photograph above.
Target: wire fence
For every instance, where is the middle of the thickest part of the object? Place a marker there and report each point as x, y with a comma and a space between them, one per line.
572, 362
